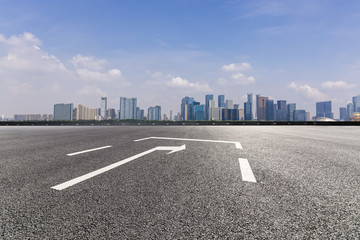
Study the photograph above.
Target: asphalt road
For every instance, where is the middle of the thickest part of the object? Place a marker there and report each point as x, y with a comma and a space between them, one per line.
307, 183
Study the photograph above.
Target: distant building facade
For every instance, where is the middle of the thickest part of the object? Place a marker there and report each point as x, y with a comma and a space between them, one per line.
63, 111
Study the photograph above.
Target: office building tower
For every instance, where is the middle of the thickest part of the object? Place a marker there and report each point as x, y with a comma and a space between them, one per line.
248, 108
139, 114
187, 108
356, 103
342, 112
63, 111
241, 114
178, 117
215, 113
221, 101
291, 107
103, 108
308, 118
282, 112
85, 113
111, 113
208, 97
154, 113
261, 107
300, 116
171, 115
324, 109
256, 106
230, 114
229, 104
250, 99
200, 112
270, 110
127, 108
349, 110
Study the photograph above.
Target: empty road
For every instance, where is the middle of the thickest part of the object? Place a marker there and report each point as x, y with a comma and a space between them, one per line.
180, 182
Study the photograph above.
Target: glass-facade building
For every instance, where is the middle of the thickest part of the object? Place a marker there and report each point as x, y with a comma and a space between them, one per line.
63, 111
154, 113
324, 109
103, 108
221, 101
127, 108
208, 97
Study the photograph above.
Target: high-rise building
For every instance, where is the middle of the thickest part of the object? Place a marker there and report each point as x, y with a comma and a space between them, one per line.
154, 113
248, 107
261, 107
270, 113
221, 101
103, 108
187, 108
349, 110
127, 108
85, 113
356, 103
342, 112
63, 111
111, 113
229, 104
324, 109
291, 107
300, 116
171, 115
282, 112
200, 112
208, 97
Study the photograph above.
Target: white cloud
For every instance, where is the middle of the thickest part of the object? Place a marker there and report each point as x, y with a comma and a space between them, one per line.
241, 79
337, 85
89, 62
308, 91
237, 76
91, 90
179, 82
22, 88
236, 67
94, 76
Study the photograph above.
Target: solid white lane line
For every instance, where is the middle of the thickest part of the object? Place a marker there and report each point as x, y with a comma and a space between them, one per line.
237, 144
246, 172
114, 165
89, 150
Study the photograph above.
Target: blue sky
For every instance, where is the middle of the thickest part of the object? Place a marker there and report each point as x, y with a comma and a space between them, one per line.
160, 51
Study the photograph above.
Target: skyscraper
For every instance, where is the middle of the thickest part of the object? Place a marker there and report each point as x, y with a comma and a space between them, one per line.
103, 108
291, 107
229, 104
127, 108
342, 112
324, 109
200, 112
221, 101
154, 113
248, 107
63, 111
85, 113
349, 110
356, 103
208, 97
300, 115
261, 107
270, 114
282, 112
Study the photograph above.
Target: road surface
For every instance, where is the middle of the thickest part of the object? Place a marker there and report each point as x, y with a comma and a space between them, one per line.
180, 182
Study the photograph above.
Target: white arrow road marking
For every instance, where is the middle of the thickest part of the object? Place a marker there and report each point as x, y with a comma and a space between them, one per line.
114, 165
89, 150
246, 172
237, 144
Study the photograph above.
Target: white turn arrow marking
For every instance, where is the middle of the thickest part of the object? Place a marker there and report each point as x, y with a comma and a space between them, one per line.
74, 181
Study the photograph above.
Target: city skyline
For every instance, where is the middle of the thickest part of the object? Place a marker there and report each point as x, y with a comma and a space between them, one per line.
290, 50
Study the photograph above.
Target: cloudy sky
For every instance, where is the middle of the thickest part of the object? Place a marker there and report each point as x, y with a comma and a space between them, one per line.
160, 51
